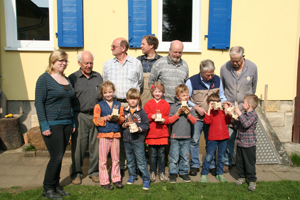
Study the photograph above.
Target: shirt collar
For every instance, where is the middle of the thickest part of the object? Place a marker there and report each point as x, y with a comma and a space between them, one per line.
144, 57
128, 59
81, 74
137, 108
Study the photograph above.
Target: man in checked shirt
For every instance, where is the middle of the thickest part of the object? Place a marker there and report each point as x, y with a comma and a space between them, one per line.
246, 141
125, 72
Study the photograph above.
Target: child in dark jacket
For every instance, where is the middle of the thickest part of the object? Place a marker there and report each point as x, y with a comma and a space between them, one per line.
217, 136
135, 126
158, 134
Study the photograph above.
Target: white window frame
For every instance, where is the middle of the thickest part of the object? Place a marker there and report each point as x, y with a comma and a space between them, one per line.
193, 46
12, 42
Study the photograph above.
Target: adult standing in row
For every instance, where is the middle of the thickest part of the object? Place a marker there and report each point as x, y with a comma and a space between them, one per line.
200, 87
148, 46
85, 82
125, 72
239, 77
53, 97
171, 70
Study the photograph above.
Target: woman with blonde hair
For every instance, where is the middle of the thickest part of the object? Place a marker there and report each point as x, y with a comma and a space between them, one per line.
53, 96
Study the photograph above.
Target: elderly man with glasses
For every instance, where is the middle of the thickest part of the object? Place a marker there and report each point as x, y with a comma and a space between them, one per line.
200, 87
239, 77
125, 72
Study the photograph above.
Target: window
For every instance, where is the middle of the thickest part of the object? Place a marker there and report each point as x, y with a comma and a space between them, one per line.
179, 20
29, 25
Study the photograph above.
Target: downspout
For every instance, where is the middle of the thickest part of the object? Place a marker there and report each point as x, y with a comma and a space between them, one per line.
3, 100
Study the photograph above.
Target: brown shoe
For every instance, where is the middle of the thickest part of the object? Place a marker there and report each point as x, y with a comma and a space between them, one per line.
95, 179
226, 168
108, 186
76, 181
118, 184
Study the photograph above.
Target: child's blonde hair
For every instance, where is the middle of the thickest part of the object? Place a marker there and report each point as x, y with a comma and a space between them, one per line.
103, 86
133, 93
181, 88
213, 97
157, 85
252, 99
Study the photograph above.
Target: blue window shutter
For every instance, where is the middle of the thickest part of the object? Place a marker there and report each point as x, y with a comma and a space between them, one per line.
139, 21
219, 24
70, 23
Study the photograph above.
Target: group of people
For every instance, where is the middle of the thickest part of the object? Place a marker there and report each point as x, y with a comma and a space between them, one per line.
149, 93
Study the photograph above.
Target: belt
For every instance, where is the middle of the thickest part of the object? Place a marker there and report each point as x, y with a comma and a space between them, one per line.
121, 100
88, 112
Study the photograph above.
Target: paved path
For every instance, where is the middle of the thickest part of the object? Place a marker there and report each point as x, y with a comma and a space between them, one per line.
28, 172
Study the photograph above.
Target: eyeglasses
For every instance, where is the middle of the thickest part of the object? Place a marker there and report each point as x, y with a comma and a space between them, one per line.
65, 61
233, 61
114, 46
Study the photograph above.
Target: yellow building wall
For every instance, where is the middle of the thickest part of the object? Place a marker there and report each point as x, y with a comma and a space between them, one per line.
268, 30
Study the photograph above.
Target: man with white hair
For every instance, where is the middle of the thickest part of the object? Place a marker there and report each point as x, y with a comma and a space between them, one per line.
200, 87
85, 82
171, 70
239, 77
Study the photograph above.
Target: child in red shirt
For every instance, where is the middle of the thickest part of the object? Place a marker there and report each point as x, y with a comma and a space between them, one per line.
158, 134
217, 137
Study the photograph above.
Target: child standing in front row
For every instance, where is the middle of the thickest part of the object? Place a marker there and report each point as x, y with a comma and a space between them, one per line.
109, 135
181, 118
158, 134
246, 141
134, 142
217, 137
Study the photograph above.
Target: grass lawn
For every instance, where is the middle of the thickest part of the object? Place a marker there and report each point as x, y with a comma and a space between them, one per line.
194, 190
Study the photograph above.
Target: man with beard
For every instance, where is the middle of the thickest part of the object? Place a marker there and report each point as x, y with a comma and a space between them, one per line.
171, 71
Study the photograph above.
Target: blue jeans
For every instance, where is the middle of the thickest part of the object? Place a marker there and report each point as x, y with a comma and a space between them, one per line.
179, 152
196, 133
136, 151
157, 158
211, 151
230, 146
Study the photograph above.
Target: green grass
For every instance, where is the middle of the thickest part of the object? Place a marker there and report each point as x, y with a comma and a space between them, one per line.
29, 148
295, 158
195, 190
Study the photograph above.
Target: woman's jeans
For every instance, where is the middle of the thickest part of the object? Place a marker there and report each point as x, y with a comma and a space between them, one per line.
157, 158
56, 144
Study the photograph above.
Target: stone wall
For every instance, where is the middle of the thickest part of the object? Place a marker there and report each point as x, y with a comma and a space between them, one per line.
281, 117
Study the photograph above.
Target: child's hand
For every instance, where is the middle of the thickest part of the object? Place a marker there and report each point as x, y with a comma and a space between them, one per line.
163, 121
153, 116
128, 124
187, 111
108, 118
178, 112
225, 106
238, 111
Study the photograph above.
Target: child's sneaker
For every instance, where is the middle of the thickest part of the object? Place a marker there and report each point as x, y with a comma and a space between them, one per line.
130, 180
185, 178
152, 176
162, 177
203, 179
173, 178
240, 181
146, 185
221, 178
252, 186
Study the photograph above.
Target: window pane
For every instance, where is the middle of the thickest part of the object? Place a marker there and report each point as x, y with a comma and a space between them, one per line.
33, 19
177, 20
